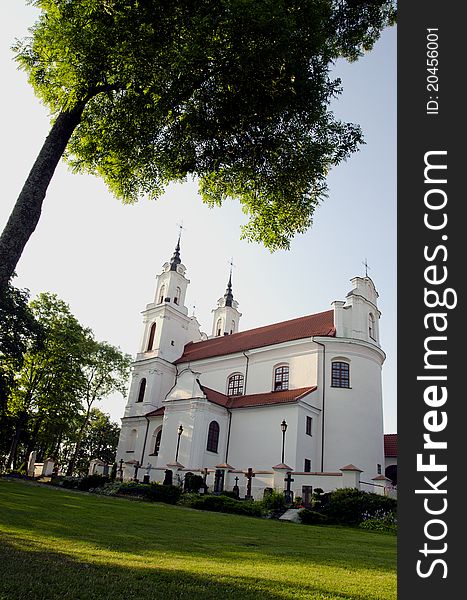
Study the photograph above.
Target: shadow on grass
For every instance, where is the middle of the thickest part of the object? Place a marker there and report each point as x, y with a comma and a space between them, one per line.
141, 528
29, 574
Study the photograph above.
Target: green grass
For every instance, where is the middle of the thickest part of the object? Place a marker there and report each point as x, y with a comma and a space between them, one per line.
59, 544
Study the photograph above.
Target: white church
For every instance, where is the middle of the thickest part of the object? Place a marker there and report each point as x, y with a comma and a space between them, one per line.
303, 396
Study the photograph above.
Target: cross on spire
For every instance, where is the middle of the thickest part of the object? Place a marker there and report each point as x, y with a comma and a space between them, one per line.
365, 264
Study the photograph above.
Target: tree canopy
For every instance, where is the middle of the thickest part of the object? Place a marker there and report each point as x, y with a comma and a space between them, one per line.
235, 93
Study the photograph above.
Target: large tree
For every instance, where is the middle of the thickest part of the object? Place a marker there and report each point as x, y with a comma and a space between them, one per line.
47, 386
106, 370
233, 92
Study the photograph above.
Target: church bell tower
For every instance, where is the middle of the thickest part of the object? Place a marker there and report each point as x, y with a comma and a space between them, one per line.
226, 317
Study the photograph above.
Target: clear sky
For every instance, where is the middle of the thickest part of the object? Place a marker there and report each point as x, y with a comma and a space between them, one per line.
102, 257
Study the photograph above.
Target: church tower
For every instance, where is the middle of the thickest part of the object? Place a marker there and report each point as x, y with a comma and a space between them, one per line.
167, 328
226, 317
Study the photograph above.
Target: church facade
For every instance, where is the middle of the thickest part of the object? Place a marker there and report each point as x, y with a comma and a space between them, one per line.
301, 396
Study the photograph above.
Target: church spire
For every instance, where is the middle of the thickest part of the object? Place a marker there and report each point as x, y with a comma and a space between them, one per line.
228, 296
175, 260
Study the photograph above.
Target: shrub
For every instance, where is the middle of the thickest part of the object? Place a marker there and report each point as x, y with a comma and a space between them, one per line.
155, 492
170, 494
70, 483
312, 517
352, 506
229, 494
273, 501
193, 482
187, 499
228, 505
381, 521
92, 481
112, 488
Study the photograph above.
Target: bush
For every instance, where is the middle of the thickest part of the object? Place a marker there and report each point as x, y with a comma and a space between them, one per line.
273, 501
170, 494
229, 494
384, 522
352, 506
70, 483
155, 492
228, 505
312, 517
112, 488
92, 481
193, 482
187, 499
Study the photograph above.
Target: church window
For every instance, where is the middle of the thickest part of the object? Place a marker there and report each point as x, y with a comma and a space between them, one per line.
378, 468
307, 467
219, 327
371, 327
162, 294
340, 374
152, 333
309, 426
233, 327
213, 437
235, 385
132, 440
178, 293
157, 441
281, 378
142, 389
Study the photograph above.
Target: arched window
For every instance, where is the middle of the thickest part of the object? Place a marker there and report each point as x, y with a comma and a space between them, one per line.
219, 327
142, 389
213, 437
232, 325
371, 326
132, 440
152, 333
157, 441
340, 374
162, 294
281, 378
235, 385
178, 293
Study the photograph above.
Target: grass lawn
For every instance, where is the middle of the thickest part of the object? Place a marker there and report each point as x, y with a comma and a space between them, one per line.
59, 544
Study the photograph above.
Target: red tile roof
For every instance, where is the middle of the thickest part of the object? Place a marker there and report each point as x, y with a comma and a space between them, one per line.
286, 331
390, 444
156, 413
269, 398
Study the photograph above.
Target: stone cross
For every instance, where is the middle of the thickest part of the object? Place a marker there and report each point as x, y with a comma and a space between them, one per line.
236, 489
249, 475
288, 492
120, 469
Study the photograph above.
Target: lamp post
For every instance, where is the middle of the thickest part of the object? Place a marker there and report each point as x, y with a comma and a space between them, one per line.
283, 429
180, 431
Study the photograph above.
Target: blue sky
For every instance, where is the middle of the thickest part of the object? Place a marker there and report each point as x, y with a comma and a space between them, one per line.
102, 257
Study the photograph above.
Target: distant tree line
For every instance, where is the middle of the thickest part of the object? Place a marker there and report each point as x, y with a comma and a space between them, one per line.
53, 372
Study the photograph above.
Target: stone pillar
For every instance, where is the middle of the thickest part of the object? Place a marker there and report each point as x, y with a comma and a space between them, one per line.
31, 461
351, 476
280, 471
381, 485
48, 467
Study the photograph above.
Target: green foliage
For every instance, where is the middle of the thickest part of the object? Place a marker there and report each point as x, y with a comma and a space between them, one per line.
235, 93
91, 482
273, 501
312, 517
155, 492
187, 499
193, 482
227, 505
385, 523
352, 506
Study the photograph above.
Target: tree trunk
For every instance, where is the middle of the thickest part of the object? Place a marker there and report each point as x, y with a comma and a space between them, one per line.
27, 210
11, 462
